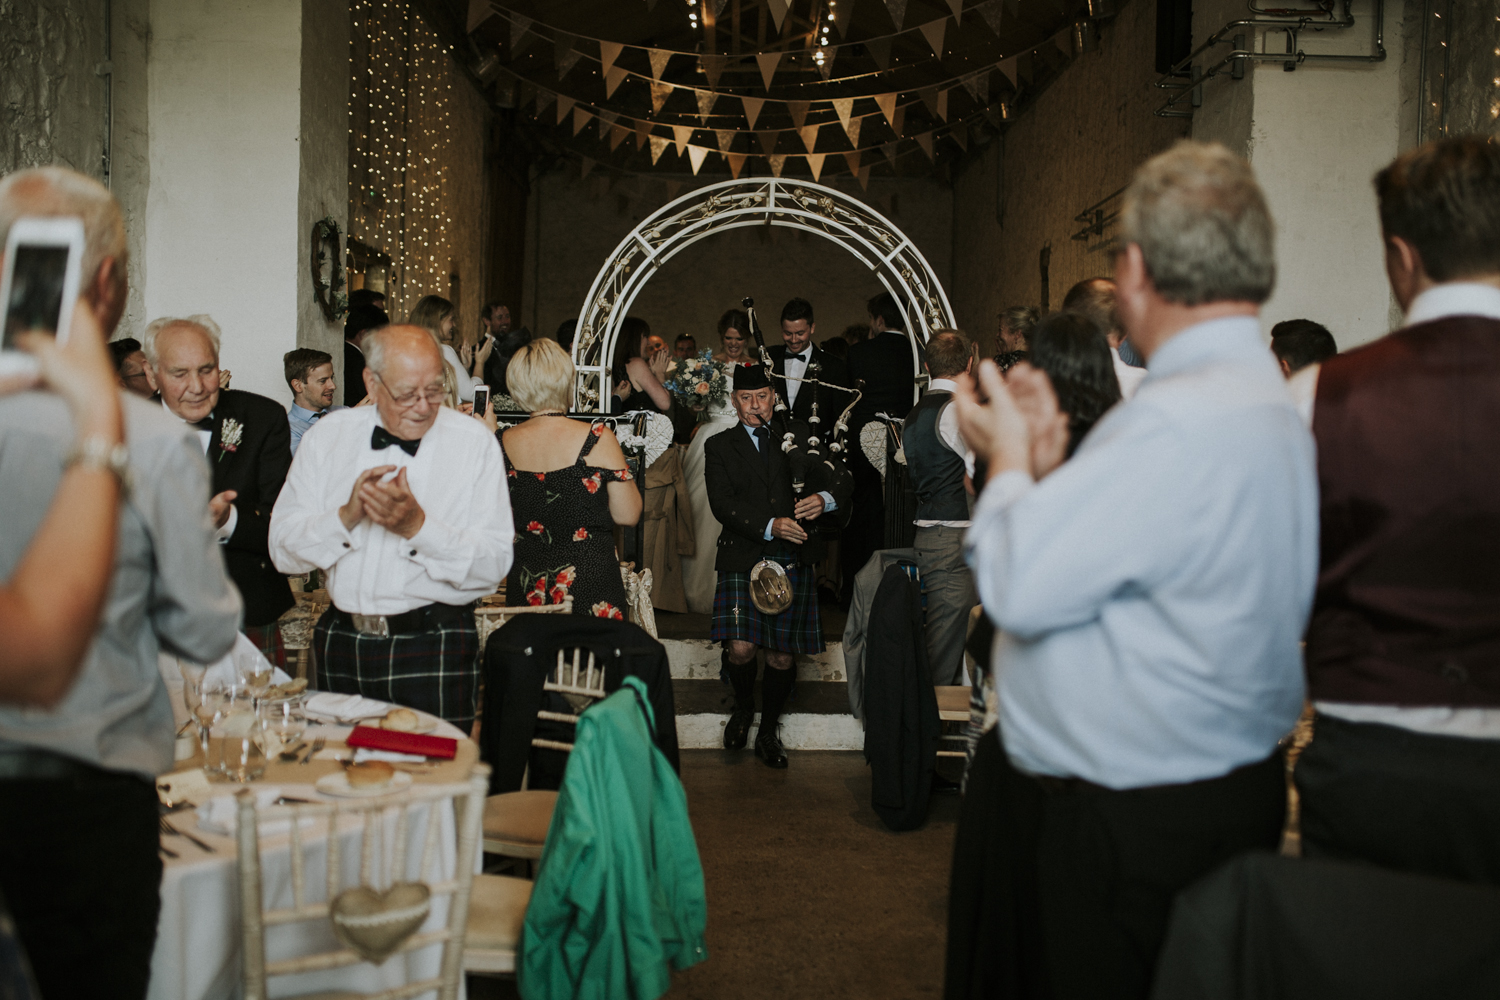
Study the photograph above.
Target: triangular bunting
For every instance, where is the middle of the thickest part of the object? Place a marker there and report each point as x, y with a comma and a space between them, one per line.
658, 147
880, 51
752, 109
1007, 68
696, 155
768, 140
606, 120
580, 119
544, 99
608, 53
852, 158
681, 135
961, 136
942, 105
815, 163
1025, 67
659, 60
642, 134
712, 67
659, 94
992, 13
706, 99
809, 136
564, 53
889, 149
897, 9
798, 111
929, 96
519, 29
736, 164
826, 66
480, 11
841, 14
525, 94
725, 137
585, 167
778, 11
925, 141
933, 32
613, 77
617, 135
852, 130
776, 162
887, 105
844, 108
564, 107
899, 125
864, 179
957, 6
978, 86
768, 62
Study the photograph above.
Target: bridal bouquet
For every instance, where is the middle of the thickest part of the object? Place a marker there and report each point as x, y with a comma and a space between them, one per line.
698, 382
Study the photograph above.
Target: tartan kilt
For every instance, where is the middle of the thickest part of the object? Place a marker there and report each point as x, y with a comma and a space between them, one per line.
436, 672
798, 629
267, 639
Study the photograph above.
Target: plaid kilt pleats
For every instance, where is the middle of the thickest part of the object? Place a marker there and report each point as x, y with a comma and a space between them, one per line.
436, 671
798, 629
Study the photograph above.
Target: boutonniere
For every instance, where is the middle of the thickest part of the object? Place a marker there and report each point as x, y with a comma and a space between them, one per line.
230, 434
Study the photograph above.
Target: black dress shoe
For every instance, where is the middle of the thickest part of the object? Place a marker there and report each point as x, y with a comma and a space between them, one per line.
769, 749
943, 785
737, 731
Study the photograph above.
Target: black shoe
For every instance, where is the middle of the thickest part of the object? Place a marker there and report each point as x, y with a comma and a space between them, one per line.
942, 785
738, 729
769, 749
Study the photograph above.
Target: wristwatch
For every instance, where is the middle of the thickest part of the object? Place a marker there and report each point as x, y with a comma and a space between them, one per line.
98, 453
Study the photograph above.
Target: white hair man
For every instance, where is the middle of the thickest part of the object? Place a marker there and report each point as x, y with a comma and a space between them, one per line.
81, 775
1145, 677
404, 506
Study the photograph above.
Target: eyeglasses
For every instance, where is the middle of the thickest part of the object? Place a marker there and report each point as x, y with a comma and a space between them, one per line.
433, 394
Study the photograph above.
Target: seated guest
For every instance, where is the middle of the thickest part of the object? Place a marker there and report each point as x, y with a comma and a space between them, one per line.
360, 321
403, 506
638, 371
685, 346
130, 366
248, 445
1095, 298
1403, 650
310, 375
79, 826
434, 314
1145, 676
1015, 327
749, 482
564, 514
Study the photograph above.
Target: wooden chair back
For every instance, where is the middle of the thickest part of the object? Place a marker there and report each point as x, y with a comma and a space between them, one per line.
488, 617
580, 682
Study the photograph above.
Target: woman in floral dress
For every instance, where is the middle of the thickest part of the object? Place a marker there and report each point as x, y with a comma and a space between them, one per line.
565, 515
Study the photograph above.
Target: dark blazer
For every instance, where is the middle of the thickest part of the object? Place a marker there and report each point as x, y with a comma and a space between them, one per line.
745, 492
830, 403
256, 470
901, 713
354, 374
884, 364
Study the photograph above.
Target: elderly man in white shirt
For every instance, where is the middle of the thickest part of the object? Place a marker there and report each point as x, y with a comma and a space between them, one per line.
1145, 677
403, 505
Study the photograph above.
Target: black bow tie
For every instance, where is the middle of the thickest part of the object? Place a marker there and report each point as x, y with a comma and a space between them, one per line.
206, 424
801, 357
382, 439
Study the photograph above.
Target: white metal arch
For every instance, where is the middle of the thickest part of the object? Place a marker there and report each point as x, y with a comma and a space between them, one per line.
829, 213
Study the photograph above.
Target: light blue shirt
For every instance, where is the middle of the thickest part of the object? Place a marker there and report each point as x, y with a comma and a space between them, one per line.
1153, 590
828, 501
301, 421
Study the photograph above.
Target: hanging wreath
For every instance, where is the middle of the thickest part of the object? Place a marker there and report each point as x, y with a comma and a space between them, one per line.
330, 294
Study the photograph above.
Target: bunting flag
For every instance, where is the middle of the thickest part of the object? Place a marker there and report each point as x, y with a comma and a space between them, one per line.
852, 159
658, 147
778, 11
480, 11
899, 125
713, 66
887, 105
844, 108
776, 163
815, 162
606, 120
798, 111
659, 60
617, 134
736, 164
768, 141
942, 105
752, 109
608, 53
961, 136
706, 99
852, 130
992, 13
929, 96
768, 62
957, 6
613, 77
864, 179
564, 107
526, 93
897, 10
841, 16
565, 53
826, 66
642, 134
580, 119
659, 94
1024, 67
880, 51
519, 28
925, 141
681, 135
809, 136
696, 156
933, 32
889, 149
584, 168
1007, 68
725, 137
544, 99
978, 86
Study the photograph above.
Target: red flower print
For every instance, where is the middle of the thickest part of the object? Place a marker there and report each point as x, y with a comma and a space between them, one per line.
537, 596
511, 473
541, 477
581, 535
592, 483
604, 609
535, 527
558, 595
598, 429
567, 575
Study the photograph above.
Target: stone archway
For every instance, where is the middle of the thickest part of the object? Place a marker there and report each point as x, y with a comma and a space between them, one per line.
759, 201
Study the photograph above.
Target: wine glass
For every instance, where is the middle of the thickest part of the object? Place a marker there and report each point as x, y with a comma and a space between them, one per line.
282, 723
242, 754
255, 673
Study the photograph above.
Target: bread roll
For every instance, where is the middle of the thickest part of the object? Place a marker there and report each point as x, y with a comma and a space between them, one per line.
401, 720
370, 774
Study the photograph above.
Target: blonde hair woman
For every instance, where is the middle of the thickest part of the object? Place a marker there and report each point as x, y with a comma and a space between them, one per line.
435, 315
565, 513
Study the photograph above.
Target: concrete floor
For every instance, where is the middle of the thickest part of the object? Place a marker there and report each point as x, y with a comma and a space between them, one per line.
809, 896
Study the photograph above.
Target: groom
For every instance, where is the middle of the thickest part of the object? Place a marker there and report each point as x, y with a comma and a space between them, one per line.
749, 480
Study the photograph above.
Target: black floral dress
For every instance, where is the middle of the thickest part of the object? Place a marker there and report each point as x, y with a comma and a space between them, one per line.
565, 537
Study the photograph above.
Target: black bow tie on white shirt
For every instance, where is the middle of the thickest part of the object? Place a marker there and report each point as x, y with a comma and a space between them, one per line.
800, 357
206, 424
382, 439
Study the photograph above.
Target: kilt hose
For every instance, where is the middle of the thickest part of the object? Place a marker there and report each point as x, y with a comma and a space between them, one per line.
798, 629
436, 671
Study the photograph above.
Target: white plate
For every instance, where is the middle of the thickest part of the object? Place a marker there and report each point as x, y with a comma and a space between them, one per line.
425, 724
337, 784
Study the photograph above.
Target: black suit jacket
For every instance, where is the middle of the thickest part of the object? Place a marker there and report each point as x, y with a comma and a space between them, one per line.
884, 363
256, 470
745, 492
354, 374
830, 403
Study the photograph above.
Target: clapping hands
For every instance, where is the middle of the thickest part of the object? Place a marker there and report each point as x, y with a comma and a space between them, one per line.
389, 504
1019, 426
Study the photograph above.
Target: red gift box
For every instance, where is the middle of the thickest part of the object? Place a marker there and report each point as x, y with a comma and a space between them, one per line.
388, 739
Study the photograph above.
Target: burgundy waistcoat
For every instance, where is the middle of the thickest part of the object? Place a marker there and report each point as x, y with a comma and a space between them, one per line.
1408, 602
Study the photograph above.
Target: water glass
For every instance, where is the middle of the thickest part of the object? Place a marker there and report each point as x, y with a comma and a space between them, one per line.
241, 754
282, 723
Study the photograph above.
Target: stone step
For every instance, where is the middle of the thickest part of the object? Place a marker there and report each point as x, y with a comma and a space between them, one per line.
698, 659
817, 717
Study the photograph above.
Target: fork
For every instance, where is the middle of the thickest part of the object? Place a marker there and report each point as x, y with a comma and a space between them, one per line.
168, 828
317, 745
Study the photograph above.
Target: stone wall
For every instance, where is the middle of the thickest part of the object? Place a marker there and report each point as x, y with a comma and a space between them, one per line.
1076, 144
52, 103
575, 224
323, 172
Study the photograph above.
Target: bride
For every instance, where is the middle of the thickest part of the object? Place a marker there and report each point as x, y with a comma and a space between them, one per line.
698, 577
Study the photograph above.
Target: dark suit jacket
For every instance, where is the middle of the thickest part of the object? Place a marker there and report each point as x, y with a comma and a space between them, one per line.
884, 363
745, 492
255, 470
354, 374
830, 403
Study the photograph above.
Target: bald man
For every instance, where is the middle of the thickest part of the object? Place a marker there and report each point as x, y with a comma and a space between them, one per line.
404, 506
248, 444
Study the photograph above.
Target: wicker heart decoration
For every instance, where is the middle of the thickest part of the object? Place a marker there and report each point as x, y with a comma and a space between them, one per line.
374, 923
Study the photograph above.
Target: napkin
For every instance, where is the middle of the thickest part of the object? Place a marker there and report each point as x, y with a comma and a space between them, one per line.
385, 739
220, 814
361, 755
326, 706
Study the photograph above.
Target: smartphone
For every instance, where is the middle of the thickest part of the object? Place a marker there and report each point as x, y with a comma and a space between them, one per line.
481, 400
39, 284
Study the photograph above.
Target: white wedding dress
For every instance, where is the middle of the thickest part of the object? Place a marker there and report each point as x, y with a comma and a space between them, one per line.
698, 576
